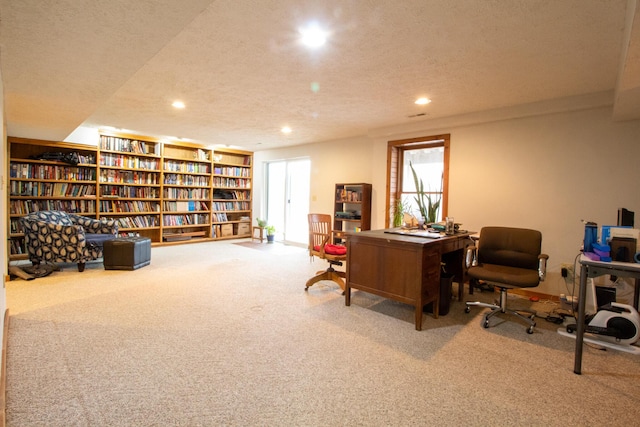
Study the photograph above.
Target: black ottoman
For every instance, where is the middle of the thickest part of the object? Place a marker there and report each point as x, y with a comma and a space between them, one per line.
127, 253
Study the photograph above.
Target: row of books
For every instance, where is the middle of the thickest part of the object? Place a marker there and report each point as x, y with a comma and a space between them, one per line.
179, 179
185, 206
127, 145
140, 221
126, 191
15, 226
133, 162
186, 193
51, 189
129, 206
190, 167
232, 171
189, 219
23, 207
51, 172
219, 181
220, 217
128, 177
18, 247
230, 206
230, 195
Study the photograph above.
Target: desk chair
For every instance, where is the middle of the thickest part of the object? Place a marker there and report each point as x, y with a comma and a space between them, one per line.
321, 245
507, 258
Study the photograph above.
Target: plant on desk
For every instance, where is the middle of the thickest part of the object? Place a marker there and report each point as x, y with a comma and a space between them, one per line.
400, 208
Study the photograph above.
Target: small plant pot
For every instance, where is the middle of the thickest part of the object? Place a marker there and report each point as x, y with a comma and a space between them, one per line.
270, 238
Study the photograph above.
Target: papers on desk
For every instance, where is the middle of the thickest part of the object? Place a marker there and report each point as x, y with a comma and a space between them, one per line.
417, 233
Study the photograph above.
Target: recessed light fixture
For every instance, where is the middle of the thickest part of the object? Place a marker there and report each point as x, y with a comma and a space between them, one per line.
313, 36
286, 129
423, 101
178, 104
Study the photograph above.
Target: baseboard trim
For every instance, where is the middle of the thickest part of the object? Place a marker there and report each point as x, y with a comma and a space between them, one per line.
3, 371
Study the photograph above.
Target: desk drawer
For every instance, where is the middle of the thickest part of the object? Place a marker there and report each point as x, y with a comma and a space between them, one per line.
454, 245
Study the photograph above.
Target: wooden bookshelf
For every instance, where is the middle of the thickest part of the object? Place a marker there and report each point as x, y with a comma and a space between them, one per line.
171, 192
45, 175
186, 192
352, 208
231, 203
129, 184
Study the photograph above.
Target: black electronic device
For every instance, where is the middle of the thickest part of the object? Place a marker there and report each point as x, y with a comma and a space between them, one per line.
625, 217
605, 295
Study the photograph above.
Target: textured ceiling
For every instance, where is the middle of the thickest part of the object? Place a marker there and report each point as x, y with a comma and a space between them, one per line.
238, 65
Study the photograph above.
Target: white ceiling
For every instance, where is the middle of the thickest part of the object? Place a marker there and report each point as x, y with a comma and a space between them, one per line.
240, 69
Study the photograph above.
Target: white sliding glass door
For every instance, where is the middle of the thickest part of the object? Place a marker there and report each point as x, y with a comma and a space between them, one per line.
287, 190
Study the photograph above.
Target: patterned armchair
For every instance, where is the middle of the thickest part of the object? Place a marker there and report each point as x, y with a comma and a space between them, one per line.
56, 236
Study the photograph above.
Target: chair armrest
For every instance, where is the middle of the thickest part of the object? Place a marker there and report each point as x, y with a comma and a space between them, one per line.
542, 266
325, 240
471, 257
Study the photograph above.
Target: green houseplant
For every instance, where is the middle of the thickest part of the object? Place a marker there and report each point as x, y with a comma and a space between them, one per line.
428, 203
271, 233
399, 210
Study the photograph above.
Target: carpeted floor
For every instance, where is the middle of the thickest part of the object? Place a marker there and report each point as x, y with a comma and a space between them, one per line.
223, 334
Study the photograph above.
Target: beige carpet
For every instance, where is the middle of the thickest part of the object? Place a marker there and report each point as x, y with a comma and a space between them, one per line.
223, 334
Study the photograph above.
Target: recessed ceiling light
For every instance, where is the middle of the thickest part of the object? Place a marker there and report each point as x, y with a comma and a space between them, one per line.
313, 36
423, 101
178, 104
286, 129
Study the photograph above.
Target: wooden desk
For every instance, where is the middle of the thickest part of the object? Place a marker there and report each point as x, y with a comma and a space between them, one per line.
403, 268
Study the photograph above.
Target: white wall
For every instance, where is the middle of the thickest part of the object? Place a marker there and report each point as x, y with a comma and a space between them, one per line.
545, 172
331, 163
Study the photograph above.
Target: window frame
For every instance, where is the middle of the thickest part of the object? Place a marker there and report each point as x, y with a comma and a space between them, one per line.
395, 160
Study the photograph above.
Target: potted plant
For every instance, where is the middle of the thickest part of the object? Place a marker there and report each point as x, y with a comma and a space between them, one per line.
399, 210
271, 233
262, 223
427, 203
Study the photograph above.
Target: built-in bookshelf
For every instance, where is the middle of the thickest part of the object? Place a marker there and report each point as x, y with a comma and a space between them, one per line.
186, 192
167, 191
129, 184
45, 175
231, 203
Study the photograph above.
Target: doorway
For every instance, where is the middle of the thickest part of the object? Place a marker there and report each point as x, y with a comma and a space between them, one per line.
287, 188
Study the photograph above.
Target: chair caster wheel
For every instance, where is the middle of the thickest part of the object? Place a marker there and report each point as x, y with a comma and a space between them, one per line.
486, 324
530, 330
306, 289
467, 310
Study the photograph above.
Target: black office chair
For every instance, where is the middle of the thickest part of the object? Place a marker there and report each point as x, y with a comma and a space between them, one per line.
507, 258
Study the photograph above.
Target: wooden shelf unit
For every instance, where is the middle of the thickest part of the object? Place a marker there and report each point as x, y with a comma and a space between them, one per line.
129, 182
232, 185
171, 192
352, 208
186, 192
39, 182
